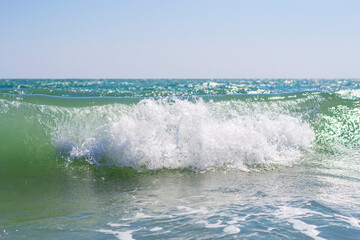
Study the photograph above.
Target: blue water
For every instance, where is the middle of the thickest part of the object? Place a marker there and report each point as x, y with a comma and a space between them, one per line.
180, 159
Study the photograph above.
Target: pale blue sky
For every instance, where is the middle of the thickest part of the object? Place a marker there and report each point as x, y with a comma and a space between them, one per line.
180, 39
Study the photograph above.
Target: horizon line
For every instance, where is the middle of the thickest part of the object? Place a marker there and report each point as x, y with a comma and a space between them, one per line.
208, 78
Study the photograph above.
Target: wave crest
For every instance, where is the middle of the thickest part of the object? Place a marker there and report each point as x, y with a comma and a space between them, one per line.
181, 134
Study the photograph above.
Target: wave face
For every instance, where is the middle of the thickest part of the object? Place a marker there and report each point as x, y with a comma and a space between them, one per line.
181, 134
240, 131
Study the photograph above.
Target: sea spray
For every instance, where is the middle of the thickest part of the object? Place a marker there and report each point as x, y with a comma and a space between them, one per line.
175, 133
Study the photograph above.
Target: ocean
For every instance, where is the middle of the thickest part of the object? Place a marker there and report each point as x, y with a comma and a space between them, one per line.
180, 159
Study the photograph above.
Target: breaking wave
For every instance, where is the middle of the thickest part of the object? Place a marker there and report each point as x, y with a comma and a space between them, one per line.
173, 133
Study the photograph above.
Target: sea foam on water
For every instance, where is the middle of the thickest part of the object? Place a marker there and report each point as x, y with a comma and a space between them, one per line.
181, 134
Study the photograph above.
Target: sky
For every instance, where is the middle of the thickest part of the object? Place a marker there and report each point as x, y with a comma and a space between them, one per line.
180, 39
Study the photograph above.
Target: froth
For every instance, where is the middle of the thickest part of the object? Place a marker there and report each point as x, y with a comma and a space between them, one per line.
174, 133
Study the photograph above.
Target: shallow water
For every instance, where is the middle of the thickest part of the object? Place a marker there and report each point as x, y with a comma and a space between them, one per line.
188, 159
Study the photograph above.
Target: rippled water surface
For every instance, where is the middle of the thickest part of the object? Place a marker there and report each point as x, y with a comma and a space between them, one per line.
179, 159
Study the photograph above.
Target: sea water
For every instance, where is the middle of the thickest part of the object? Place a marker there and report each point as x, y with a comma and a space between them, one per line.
179, 159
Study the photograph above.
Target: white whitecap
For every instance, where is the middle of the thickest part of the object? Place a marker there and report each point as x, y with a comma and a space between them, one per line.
179, 134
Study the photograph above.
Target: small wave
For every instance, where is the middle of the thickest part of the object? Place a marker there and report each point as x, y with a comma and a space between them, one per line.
195, 133
179, 134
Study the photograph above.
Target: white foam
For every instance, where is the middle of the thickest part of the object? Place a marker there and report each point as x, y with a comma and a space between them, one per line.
218, 224
180, 134
351, 220
142, 215
307, 229
188, 210
231, 229
6, 105
118, 225
156, 229
127, 235
238, 219
350, 93
292, 215
231, 222
211, 84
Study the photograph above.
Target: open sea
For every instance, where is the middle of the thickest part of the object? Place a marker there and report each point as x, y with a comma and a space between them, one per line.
180, 159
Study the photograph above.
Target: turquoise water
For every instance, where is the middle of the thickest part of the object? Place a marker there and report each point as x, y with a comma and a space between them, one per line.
183, 159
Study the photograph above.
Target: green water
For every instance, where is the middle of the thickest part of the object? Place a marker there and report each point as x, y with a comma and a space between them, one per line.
183, 159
